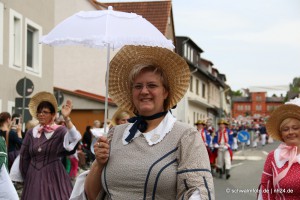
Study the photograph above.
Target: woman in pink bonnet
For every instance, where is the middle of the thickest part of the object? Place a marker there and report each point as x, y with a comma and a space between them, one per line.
280, 178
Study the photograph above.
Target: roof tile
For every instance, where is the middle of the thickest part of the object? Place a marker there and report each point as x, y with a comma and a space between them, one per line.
156, 12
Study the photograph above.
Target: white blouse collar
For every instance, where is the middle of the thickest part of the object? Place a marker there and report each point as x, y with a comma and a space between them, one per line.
280, 163
156, 135
35, 131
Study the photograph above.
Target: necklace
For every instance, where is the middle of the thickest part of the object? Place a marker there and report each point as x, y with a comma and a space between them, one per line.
39, 145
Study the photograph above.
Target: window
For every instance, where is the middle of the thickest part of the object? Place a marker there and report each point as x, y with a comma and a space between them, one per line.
203, 90
258, 98
197, 86
194, 116
185, 50
11, 106
240, 107
192, 55
1, 32
15, 40
247, 107
188, 52
258, 107
191, 84
30, 44
33, 48
270, 108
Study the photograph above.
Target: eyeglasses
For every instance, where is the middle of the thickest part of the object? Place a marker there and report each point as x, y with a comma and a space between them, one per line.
149, 86
43, 112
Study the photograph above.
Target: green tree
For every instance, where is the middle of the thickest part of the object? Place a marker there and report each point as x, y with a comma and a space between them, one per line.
294, 89
237, 93
295, 85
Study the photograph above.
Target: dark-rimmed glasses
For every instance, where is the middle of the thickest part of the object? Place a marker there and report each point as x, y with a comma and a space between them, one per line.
43, 112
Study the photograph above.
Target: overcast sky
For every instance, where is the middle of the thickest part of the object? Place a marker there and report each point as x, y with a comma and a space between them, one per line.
252, 42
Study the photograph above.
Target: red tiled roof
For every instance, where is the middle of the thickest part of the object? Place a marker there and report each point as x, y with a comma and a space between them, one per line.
156, 12
87, 95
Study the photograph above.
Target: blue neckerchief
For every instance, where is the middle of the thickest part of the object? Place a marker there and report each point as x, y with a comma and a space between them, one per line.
141, 124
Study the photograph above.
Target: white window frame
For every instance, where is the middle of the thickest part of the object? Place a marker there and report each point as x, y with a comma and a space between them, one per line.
36, 69
10, 107
192, 55
185, 49
240, 108
258, 108
188, 52
1, 32
258, 98
12, 46
247, 108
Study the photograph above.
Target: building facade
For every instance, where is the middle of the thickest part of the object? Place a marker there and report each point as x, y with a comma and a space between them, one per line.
256, 104
21, 55
206, 96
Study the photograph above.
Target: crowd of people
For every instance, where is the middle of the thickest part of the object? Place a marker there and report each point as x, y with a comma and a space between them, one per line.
222, 140
146, 152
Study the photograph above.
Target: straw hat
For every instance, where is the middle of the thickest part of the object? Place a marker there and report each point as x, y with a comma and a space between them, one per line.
290, 109
223, 121
200, 122
175, 67
38, 98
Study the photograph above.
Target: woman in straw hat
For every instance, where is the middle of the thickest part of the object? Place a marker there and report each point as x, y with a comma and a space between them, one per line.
7, 189
280, 178
206, 137
154, 156
40, 165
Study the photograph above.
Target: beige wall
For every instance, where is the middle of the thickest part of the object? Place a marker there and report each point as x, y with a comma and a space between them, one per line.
41, 14
77, 67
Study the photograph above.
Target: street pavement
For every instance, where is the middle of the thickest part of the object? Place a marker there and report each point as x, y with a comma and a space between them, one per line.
247, 167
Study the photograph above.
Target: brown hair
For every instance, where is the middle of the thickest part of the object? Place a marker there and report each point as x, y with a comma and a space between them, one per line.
4, 116
45, 104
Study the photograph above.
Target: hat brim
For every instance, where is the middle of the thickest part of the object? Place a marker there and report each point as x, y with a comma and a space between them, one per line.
38, 98
281, 113
175, 67
200, 123
223, 123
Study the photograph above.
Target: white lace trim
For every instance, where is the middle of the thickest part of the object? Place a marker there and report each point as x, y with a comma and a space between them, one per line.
156, 135
280, 163
96, 41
